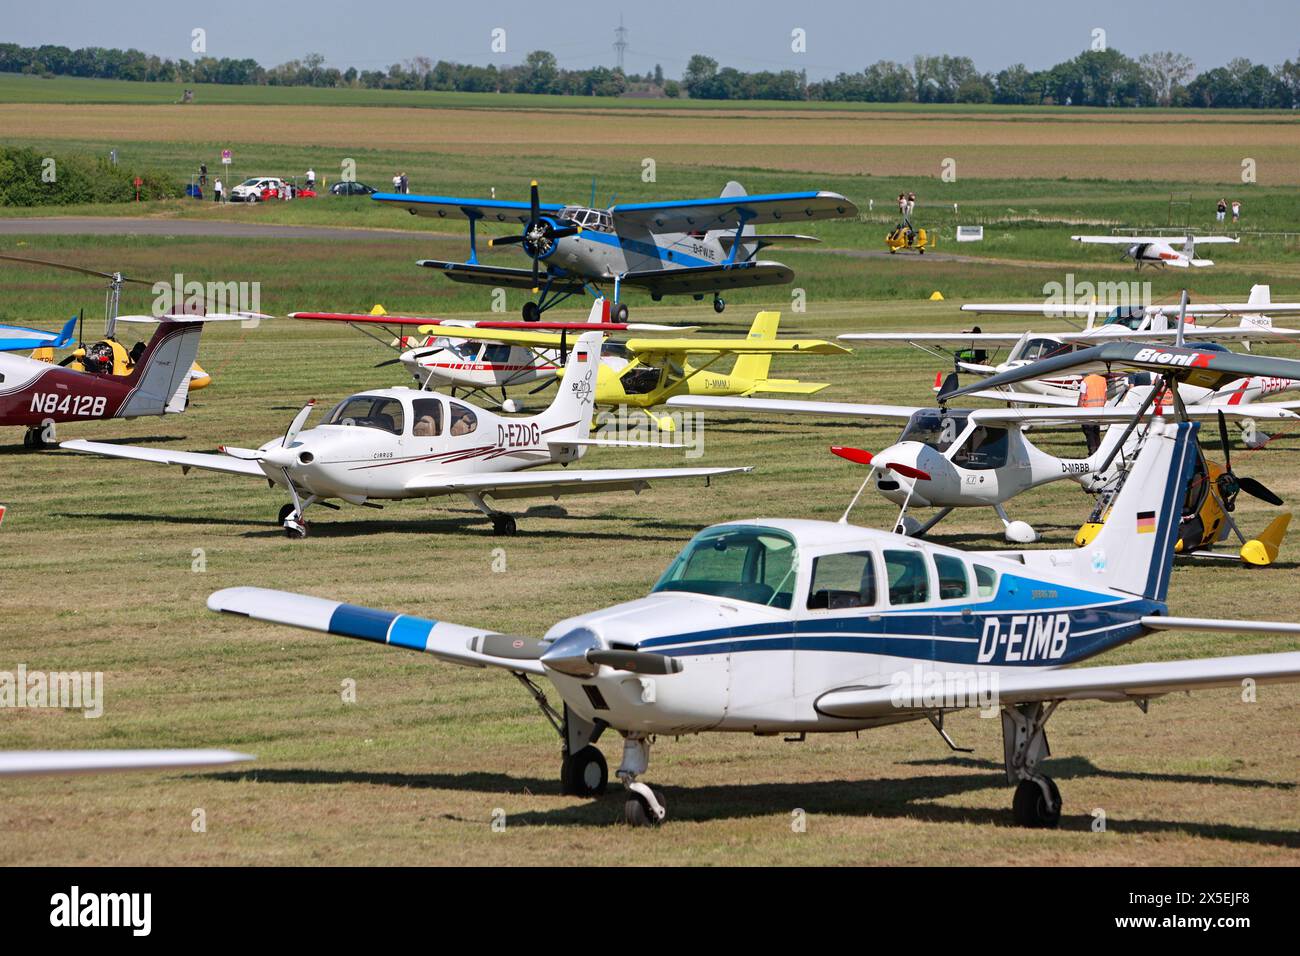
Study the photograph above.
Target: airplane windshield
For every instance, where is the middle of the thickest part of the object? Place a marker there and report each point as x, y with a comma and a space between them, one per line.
752, 564
1133, 318
369, 411
1036, 349
935, 428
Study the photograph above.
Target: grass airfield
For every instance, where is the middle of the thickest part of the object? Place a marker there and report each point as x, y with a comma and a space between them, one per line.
106, 565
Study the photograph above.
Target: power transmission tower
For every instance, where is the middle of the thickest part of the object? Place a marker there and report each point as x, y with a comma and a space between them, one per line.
620, 42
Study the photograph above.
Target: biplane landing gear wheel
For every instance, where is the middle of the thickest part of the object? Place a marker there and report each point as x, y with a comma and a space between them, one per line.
503, 525
1030, 804
719, 303
618, 312
531, 312
584, 774
637, 812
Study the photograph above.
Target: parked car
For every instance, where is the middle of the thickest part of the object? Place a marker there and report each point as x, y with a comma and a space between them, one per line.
346, 188
257, 189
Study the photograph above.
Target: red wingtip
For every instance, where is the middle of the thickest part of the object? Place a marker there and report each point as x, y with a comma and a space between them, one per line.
604, 311
856, 455
907, 471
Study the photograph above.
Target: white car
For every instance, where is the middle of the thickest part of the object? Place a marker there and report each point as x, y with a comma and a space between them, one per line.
256, 189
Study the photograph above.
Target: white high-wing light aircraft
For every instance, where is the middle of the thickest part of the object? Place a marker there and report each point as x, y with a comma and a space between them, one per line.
1157, 251
393, 443
783, 626
950, 458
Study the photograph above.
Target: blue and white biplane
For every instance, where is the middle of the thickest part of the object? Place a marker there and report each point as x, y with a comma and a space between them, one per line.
692, 247
787, 626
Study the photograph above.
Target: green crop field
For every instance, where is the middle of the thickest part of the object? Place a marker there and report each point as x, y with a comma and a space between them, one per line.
105, 565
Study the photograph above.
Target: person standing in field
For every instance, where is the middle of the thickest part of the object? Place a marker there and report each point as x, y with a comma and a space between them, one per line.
405, 185
311, 179
216, 190
203, 174
911, 204
1221, 210
1236, 210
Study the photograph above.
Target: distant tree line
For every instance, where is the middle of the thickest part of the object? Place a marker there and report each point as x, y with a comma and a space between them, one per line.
1093, 78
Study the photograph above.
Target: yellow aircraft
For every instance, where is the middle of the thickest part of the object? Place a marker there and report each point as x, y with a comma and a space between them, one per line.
108, 356
645, 372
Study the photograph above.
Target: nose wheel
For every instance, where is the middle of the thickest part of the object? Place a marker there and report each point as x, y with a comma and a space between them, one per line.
295, 526
639, 811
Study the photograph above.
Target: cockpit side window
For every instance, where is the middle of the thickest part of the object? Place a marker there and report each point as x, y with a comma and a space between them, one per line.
952, 577
638, 378
1036, 349
909, 577
934, 428
986, 581
842, 581
463, 419
369, 411
985, 448
427, 414
752, 564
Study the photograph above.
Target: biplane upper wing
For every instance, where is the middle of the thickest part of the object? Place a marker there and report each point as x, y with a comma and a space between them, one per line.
729, 212
1204, 368
704, 279
1116, 682
14, 338
458, 207
475, 273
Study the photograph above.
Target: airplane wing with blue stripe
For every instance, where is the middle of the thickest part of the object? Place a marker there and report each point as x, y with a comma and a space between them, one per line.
1119, 682
704, 279
456, 207
17, 338
728, 212
449, 642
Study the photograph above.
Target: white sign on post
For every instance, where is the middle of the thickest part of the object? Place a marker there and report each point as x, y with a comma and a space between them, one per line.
970, 233
225, 157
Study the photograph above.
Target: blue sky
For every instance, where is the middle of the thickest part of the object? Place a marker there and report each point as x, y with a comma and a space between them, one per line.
841, 35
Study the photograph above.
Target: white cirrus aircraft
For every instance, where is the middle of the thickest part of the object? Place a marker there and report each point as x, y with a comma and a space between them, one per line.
1157, 250
778, 626
394, 443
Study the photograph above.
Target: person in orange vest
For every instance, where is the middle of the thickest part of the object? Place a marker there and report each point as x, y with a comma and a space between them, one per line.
1092, 394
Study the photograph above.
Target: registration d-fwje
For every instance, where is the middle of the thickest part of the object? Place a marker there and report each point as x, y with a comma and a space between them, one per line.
788, 626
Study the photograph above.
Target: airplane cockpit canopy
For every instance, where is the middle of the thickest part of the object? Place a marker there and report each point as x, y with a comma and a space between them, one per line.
369, 411
935, 427
1040, 348
598, 219
741, 562
1134, 317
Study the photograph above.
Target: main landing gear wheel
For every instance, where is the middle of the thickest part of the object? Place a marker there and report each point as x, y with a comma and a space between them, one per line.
618, 312
531, 312
637, 812
34, 437
719, 304
1029, 805
584, 774
503, 525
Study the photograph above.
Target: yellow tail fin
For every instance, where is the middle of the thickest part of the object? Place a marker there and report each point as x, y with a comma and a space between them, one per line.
1263, 549
754, 367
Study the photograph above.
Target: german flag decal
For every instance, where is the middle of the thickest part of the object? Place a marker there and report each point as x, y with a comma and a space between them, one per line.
1146, 522
582, 355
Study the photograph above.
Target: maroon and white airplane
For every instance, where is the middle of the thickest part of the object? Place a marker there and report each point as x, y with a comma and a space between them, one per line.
37, 395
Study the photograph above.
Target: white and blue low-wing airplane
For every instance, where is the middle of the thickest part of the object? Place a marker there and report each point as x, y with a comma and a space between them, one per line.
18, 338
693, 247
787, 626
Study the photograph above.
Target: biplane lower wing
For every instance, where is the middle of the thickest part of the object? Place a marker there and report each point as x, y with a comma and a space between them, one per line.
479, 274
706, 279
